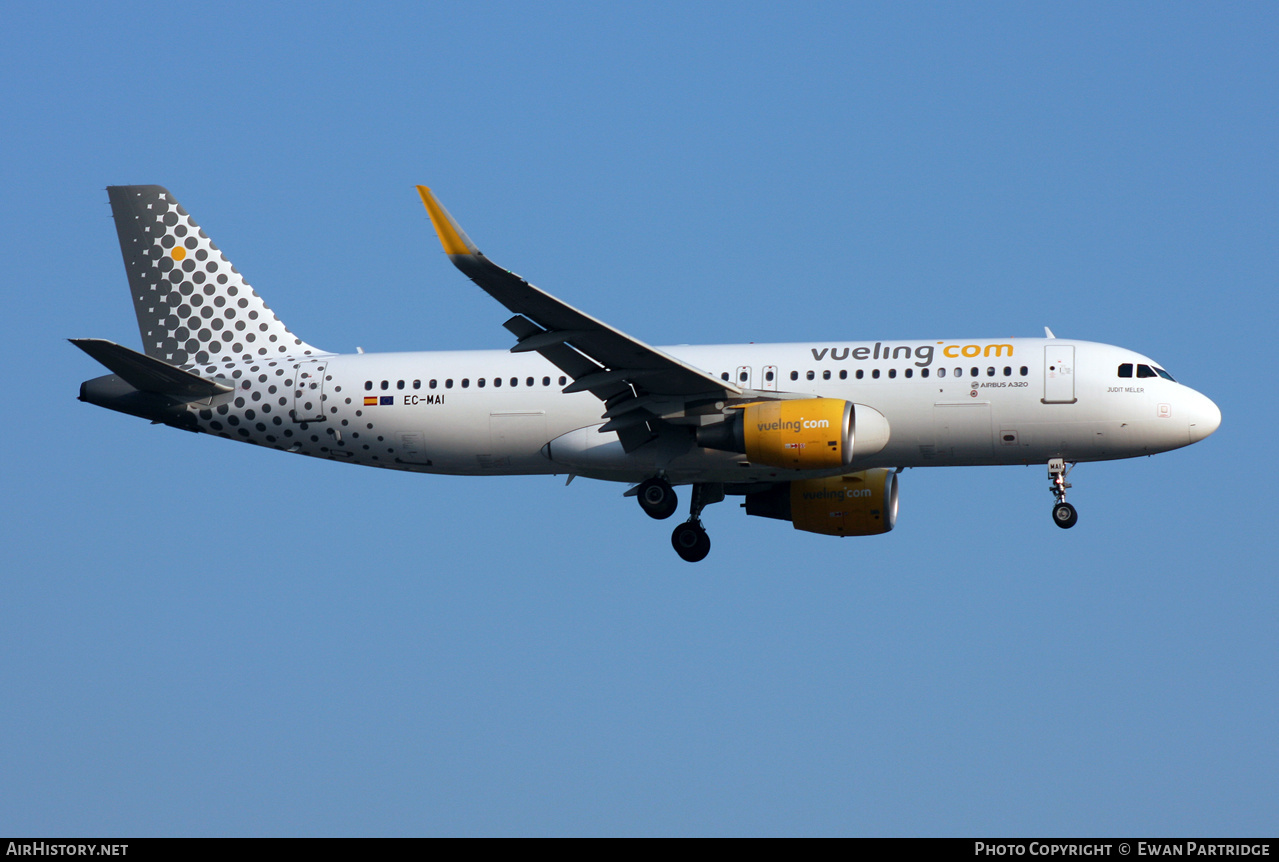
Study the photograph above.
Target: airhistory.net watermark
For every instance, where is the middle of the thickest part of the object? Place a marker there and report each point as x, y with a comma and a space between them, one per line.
44, 848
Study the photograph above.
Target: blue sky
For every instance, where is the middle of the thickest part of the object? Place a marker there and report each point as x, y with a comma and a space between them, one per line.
201, 638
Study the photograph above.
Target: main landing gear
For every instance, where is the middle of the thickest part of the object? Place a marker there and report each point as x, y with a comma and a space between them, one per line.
691, 542
1064, 514
658, 500
689, 539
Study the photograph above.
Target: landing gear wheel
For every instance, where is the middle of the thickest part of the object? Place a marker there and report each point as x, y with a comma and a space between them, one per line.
657, 499
691, 542
1064, 515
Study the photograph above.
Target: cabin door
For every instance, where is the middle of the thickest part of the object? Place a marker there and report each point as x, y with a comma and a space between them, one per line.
308, 392
1059, 374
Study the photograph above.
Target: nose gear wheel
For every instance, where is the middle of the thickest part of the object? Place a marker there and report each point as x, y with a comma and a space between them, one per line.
1064, 514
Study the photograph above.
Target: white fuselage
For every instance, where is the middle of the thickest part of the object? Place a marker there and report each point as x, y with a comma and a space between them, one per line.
950, 402
809, 433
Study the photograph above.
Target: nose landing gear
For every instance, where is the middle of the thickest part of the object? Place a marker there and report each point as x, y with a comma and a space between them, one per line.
1064, 514
689, 539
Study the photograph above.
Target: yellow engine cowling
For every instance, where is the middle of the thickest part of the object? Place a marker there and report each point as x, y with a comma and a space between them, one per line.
803, 434
858, 504
855, 504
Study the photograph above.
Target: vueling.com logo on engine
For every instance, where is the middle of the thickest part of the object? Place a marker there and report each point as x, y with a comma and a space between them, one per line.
836, 496
798, 425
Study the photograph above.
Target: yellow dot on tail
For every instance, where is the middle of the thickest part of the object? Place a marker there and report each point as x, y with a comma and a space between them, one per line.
178, 252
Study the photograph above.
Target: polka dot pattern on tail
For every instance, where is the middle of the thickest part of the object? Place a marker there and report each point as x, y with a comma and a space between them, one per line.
162, 246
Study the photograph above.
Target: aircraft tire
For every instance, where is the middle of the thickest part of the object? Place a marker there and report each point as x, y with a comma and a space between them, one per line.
658, 499
1064, 515
691, 542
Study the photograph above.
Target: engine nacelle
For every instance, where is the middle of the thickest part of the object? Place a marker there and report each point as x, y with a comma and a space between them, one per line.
801, 434
855, 504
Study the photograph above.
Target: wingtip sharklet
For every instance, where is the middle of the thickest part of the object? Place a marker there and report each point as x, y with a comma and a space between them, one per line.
452, 237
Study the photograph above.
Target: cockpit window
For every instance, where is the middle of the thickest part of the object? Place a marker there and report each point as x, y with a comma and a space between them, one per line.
1164, 374
1146, 371
1125, 370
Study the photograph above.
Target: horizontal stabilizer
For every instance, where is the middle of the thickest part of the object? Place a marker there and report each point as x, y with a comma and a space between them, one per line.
148, 374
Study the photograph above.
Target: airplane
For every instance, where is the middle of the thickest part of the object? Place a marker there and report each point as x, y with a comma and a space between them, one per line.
811, 433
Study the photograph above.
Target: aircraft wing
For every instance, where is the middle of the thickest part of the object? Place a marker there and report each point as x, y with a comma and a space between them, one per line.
637, 383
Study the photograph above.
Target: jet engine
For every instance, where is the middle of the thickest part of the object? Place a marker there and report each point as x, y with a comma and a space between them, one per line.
801, 434
855, 504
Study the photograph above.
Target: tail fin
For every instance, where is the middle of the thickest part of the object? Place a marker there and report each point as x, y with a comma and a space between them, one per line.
194, 308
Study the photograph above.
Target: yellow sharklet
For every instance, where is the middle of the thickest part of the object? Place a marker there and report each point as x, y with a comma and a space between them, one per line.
452, 237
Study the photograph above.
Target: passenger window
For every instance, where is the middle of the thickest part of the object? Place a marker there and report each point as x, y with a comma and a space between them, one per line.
368, 384
480, 383
875, 373
1024, 371
959, 372
1125, 370
843, 374
1008, 371
724, 376
399, 384
431, 384
826, 375
742, 377
794, 375
923, 372
417, 384
529, 382
563, 381
466, 382
497, 381
941, 372
448, 384
975, 371
860, 374
515, 381
769, 376
546, 381
910, 372
1146, 371
812, 376
892, 372
990, 372
386, 384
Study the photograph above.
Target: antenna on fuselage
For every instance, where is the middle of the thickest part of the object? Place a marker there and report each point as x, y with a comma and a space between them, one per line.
1049, 332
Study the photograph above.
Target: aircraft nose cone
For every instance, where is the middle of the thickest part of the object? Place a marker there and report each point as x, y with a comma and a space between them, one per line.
1205, 417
